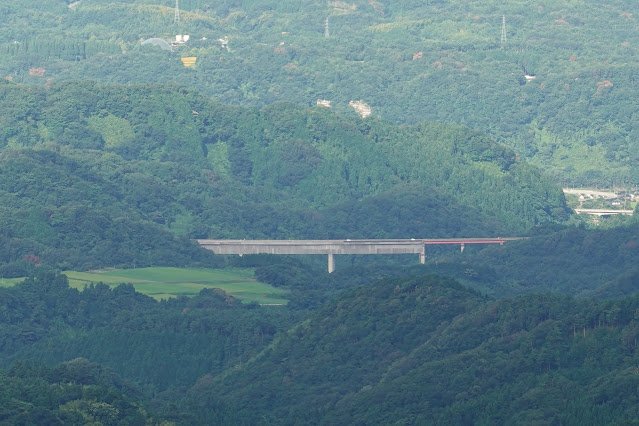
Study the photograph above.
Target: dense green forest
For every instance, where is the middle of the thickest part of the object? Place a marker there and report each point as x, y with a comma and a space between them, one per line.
410, 61
578, 261
158, 345
432, 122
415, 350
73, 392
426, 350
100, 175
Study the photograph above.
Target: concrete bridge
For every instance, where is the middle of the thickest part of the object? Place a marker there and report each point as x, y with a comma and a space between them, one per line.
604, 212
333, 247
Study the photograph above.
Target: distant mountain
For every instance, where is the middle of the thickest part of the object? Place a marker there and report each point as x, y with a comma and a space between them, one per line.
559, 88
427, 350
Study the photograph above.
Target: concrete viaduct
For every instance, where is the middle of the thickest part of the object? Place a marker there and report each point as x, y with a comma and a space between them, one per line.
604, 212
333, 247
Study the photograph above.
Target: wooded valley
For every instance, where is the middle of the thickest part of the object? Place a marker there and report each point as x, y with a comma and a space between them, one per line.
318, 120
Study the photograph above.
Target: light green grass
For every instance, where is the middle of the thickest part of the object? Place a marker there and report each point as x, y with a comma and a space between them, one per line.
163, 283
9, 282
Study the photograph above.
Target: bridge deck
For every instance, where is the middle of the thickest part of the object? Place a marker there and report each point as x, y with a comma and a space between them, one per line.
373, 246
333, 247
313, 246
604, 212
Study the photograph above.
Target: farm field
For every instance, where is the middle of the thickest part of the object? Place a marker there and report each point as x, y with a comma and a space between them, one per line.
165, 282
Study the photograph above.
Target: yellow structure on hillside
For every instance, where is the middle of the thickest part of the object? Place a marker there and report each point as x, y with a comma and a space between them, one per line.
189, 61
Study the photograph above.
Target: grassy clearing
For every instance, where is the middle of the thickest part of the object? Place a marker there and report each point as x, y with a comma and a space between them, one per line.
162, 283
9, 282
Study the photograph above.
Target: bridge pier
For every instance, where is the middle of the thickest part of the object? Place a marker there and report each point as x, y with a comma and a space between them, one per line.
422, 256
331, 263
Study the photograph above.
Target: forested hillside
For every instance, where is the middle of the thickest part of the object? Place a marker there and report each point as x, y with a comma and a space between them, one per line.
158, 345
73, 392
98, 175
426, 350
559, 86
121, 143
418, 350
576, 261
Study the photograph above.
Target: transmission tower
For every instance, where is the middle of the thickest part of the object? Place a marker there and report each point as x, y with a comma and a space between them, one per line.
176, 19
503, 31
326, 33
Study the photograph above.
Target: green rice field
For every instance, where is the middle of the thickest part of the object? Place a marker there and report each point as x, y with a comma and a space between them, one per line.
163, 283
